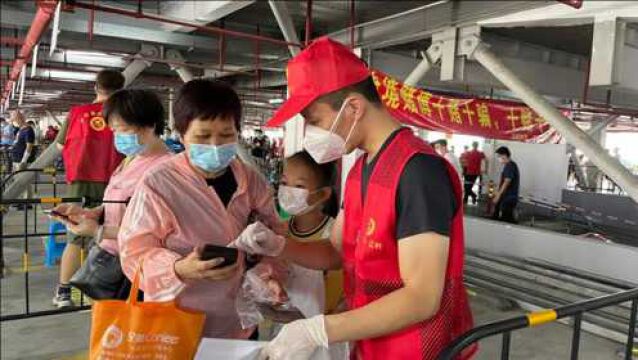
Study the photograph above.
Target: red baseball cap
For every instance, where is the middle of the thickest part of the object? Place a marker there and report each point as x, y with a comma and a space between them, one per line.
323, 67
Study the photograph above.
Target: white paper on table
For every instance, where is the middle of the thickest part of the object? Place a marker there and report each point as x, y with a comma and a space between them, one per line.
306, 290
223, 349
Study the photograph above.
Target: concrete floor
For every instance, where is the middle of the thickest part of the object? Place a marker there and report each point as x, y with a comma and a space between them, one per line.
66, 336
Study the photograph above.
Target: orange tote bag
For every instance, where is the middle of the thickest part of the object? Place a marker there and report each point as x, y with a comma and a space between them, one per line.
143, 331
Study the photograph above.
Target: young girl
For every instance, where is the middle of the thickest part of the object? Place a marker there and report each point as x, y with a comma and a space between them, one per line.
306, 193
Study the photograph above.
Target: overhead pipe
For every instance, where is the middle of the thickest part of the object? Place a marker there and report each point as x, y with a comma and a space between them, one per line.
34, 60
204, 28
53, 67
11, 41
38, 27
572, 133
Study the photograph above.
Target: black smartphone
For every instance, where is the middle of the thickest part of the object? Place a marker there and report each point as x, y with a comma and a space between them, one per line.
62, 216
213, 251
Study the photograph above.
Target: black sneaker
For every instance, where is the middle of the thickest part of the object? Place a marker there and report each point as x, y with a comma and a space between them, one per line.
62, 298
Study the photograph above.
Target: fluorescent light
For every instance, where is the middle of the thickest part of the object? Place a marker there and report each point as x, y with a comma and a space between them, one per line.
67, 75
94, 58
276, 101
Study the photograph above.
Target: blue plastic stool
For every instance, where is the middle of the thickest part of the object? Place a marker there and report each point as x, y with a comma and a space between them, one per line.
52, 249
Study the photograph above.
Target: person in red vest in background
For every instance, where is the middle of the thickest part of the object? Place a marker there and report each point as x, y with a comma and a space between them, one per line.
399, 236
51, 133
476, 166
89, 160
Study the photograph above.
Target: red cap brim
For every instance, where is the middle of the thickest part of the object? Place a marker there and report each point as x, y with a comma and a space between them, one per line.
293, 106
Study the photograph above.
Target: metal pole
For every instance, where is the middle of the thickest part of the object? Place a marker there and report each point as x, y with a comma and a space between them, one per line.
352, 23
181, 69
632, 329
505, 345
576, 336
25, 259
171, 117
419, 71
184, 73
133, 69
572, 133
280, 10
580, 175
430, 57
308, 21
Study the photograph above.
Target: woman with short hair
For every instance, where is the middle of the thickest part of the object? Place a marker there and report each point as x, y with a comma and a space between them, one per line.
203, 196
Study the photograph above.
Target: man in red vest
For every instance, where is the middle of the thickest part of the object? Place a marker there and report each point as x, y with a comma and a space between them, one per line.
89, 160
399, 236
476, 167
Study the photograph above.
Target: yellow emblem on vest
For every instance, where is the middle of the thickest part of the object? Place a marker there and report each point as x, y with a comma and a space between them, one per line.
371, 227
97, 123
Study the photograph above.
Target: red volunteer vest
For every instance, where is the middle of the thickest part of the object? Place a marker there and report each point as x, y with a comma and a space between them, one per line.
371, 262
89, 153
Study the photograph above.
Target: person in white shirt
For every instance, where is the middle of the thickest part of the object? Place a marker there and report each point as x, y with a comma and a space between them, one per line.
440, 146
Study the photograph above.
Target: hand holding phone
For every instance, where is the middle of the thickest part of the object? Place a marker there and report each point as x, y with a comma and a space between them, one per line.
57, 214
213, 251
216, 263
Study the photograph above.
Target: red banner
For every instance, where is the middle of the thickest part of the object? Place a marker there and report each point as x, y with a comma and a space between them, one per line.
494, 119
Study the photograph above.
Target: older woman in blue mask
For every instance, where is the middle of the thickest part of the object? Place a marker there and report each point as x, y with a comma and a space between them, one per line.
203, 196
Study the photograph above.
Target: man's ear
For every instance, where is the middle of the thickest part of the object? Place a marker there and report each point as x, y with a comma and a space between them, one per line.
357, 106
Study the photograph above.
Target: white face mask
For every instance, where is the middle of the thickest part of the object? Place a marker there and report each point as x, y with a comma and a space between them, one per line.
324, 145
294, 200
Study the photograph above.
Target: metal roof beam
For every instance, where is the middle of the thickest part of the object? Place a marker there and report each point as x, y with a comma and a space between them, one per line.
74, 24
561, 15
422, 22
202, 12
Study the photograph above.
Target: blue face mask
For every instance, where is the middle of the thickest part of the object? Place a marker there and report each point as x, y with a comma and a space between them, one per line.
128, 144
211, 158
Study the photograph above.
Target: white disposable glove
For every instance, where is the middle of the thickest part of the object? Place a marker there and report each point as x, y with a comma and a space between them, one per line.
297, 340
258, 239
